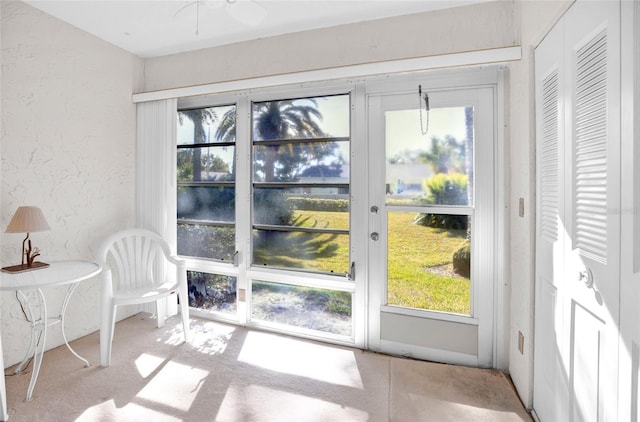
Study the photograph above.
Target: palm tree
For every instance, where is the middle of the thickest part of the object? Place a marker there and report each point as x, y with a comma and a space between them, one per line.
285, 119
226, 132
445, 155
199, 117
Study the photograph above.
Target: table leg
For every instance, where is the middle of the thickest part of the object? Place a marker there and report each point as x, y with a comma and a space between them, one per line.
40, 344
32, 339
65, 303
37, 343
4, 416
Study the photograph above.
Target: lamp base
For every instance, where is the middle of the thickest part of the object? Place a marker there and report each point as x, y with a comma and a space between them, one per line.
21, 268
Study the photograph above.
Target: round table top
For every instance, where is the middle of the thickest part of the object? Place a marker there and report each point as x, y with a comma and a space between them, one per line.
57, 273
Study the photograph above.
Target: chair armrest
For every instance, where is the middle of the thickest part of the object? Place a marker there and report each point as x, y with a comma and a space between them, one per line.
177, 261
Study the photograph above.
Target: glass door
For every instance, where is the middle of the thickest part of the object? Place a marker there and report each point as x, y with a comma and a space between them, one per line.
429, 224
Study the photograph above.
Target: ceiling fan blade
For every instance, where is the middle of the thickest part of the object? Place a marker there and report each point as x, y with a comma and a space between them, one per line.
215, 4
248, 12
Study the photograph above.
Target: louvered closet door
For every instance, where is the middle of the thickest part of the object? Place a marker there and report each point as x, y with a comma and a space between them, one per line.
592, 272
578, 286
550, 394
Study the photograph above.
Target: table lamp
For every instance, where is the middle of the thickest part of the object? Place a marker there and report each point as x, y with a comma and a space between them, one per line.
26, 220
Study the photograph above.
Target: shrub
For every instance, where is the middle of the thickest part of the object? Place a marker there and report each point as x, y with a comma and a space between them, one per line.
445, 189
462, 260
205, 241
442, 221
206, 203
271, 207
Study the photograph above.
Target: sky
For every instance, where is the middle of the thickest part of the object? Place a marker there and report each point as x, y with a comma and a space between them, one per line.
403, 129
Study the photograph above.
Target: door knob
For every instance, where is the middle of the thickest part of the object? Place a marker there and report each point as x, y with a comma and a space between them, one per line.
374, 236
586, 277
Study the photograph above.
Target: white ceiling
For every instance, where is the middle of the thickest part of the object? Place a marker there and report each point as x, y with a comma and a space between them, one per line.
150, 28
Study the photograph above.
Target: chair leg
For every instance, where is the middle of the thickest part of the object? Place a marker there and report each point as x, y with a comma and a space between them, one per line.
184, 312
107, 327
161, 311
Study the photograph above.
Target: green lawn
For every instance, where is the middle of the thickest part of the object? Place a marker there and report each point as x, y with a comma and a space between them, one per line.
413, 249
322, 252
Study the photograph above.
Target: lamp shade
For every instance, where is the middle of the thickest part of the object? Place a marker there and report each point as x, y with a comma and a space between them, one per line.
27, 219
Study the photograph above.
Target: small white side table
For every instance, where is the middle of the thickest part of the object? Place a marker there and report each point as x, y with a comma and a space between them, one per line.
57, 274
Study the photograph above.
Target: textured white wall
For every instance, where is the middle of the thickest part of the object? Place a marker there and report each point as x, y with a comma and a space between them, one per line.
466, 28
536, 18
68, 146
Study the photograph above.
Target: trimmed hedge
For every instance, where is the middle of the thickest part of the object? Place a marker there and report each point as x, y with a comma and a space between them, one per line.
319, 204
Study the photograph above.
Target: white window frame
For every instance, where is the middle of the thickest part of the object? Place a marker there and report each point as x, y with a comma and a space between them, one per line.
357, 75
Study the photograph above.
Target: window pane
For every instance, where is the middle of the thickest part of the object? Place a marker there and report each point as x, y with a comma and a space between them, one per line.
323, 310
300, 197
206, 241
215, 203
436, 168
303, 118
211, 164
207, 125
319, 207
327, 252
303, 162
429, 262
212, 292
206, 182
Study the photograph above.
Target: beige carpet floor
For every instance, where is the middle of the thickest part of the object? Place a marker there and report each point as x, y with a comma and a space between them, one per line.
228, 373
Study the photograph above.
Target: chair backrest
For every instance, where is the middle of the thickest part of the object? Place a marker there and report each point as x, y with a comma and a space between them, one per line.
134, 258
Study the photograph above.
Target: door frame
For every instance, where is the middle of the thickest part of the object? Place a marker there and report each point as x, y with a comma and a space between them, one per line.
492, 348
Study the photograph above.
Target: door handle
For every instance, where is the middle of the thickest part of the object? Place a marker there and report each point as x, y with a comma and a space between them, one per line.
374, 236
586, 277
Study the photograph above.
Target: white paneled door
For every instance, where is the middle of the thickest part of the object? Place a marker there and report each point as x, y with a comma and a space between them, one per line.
578, 218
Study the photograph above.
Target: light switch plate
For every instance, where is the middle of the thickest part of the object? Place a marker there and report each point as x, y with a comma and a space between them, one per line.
521, 342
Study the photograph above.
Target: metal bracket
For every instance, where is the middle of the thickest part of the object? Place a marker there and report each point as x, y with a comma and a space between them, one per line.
235, 258
351, 275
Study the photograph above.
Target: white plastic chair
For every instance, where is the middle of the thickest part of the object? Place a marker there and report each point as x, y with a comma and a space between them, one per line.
133, 264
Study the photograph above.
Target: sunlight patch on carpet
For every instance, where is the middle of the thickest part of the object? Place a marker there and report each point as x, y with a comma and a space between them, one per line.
292, 356
254, 402
176, 386
107, 411
210, 338
146, 364
176, 335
